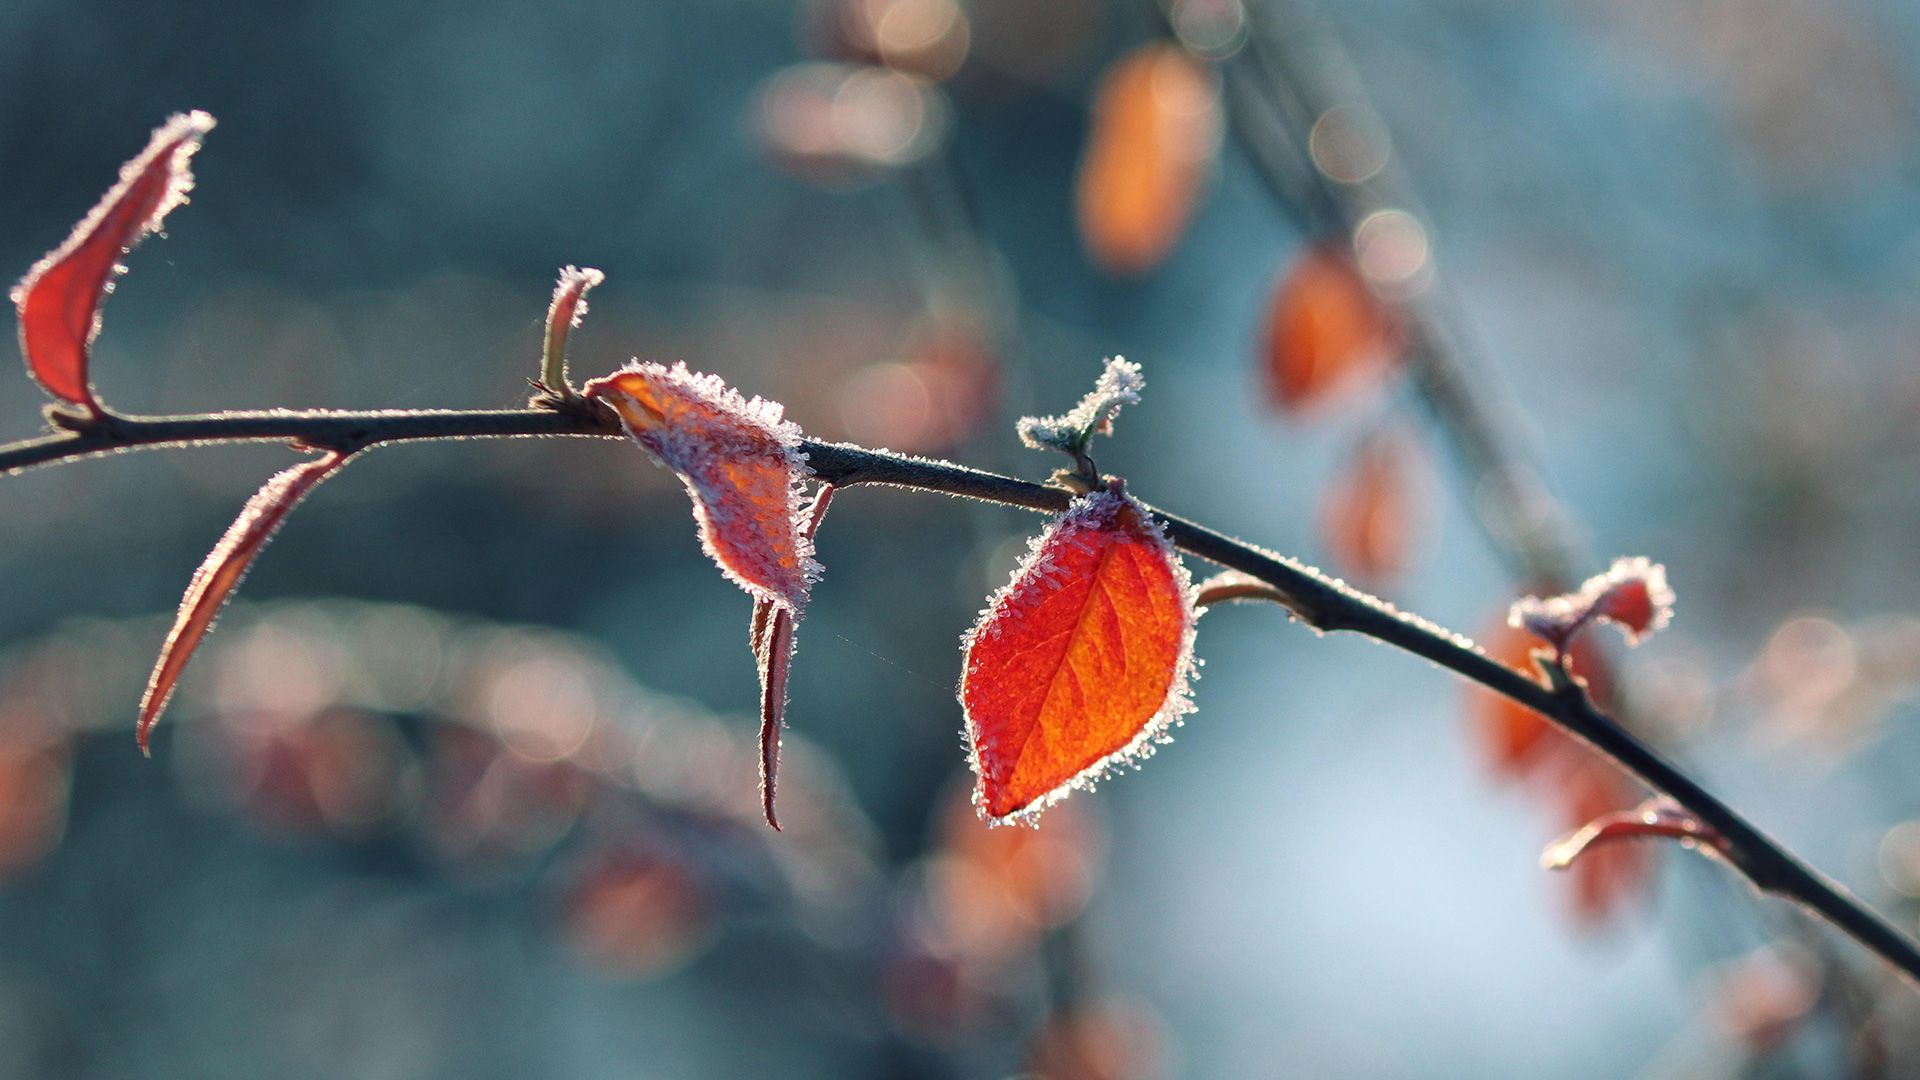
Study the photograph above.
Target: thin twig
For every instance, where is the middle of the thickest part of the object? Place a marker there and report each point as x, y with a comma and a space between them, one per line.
1273, 104
1325, 603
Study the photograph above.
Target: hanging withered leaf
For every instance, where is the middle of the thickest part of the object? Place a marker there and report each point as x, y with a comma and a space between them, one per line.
59, 299
1368, 513
1154, 133
741, 463
225, 566
1082, 662
771, 636
1327, 333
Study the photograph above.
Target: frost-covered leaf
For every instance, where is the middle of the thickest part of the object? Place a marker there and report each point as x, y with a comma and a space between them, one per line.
568, 308
225, 566
1326, 331
1082, 662
1150, 150
742, 465
1633, 595
1120, 383
59, 299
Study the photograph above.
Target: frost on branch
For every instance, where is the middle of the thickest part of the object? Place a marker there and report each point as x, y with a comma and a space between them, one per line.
1119, 384
1632, 595
742, 464
1082, 662
59, 299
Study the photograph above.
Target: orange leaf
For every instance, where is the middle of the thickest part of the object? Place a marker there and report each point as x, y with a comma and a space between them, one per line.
741, 463
1515, 739
1082, 662
1155, 128
1367, 515
1326, 330
59, 299
221, 573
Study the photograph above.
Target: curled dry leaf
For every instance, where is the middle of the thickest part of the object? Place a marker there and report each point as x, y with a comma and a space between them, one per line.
1155, 130
225, 566
1082, 662
563, 315
742, 465
1367, 513
771, 636
1326, 331
59, 299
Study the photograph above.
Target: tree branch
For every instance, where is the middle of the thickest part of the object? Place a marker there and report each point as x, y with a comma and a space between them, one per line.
1323, 602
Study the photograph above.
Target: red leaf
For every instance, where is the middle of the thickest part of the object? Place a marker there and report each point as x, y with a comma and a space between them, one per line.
741, 463
221, 573
1367, 515
1326, 331
1155, 128
771, 635
59, 299
1081, 663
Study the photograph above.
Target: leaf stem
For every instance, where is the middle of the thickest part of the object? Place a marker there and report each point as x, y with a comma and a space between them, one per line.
1323, 602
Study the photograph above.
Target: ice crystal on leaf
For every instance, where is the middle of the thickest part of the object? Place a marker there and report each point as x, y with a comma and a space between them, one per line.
1119, 384
1082, 662
742, 464
1633, 595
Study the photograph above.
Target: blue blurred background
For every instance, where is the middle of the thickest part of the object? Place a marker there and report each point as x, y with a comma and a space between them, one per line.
463, 787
